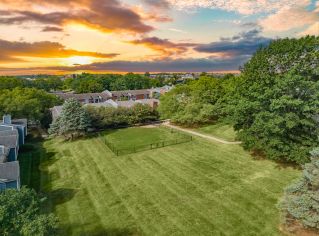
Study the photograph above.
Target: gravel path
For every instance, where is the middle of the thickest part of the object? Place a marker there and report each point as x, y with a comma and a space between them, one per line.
167, 124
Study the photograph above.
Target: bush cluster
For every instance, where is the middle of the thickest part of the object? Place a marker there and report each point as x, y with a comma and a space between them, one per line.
108, 117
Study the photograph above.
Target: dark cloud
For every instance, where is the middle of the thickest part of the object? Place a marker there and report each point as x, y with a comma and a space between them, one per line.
245, 43
11, 51
179, 65
107, 15
52, 29
249, 25
157, 3
164, 46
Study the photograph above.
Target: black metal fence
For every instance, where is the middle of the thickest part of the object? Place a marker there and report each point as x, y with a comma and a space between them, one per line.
140, 148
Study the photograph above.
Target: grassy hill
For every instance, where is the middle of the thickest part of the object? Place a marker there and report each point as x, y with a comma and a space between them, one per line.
195, 188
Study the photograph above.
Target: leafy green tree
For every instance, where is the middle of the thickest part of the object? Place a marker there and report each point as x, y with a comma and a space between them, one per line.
143, 113
301, 200
276, 99
20, 214
8, 82
131, 81
29, 103
73, 121
90, 86
47, 84
194, 103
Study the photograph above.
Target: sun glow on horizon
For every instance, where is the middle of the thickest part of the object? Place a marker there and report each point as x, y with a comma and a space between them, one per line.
78, 60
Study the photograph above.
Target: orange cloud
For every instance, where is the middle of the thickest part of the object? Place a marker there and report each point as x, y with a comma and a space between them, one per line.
106, 16
164, 46
12, 51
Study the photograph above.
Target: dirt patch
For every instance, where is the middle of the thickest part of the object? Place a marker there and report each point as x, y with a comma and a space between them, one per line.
296, 229
150, 126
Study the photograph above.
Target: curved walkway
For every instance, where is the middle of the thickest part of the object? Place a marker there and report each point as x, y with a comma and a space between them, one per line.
167, 124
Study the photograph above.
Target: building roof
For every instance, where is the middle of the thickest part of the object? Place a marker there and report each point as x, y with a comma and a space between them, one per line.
108, 103
4, 152
82, 96
130, 92
23, 122
5, 127
148, 101
10, 141
9, 132
127, 104
9, 171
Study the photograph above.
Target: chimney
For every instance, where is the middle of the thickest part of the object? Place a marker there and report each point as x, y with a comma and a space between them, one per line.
7, 119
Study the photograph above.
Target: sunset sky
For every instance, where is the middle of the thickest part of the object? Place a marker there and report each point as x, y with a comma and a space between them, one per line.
61, 36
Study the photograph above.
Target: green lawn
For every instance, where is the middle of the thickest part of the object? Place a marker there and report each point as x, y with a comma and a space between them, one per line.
195, 188
136, 136
219, 130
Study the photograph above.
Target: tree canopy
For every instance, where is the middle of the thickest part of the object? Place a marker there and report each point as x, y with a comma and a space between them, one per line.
197, 102
20, 214
29, 103
274, 105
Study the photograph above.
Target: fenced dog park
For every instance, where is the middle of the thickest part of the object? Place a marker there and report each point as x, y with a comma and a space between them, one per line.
133, 140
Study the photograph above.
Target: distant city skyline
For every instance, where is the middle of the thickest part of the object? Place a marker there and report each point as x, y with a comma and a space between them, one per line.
99, 36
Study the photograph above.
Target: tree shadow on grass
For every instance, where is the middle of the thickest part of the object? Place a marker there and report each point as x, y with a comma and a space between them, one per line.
61, 195
35, 161
97, 230
280, 164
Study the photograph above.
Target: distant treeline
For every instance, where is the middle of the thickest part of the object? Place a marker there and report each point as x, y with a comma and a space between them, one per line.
86, 83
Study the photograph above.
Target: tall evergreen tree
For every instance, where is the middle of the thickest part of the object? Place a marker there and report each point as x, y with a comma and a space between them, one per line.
301, 200
73, 121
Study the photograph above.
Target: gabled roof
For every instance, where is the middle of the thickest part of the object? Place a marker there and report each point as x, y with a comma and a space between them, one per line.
9, 171
130, 92
108, 103
82, 96
127, 104
148, 101
10, 141
4, 152
23, 122
5, 127
9, 132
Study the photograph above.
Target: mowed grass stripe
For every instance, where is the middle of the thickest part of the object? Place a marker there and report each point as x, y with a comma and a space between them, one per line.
100, 189
156, 188
231, 189
76, 211
136, 195
82, 167
199, 200
262, 196
134, 175
175, 203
